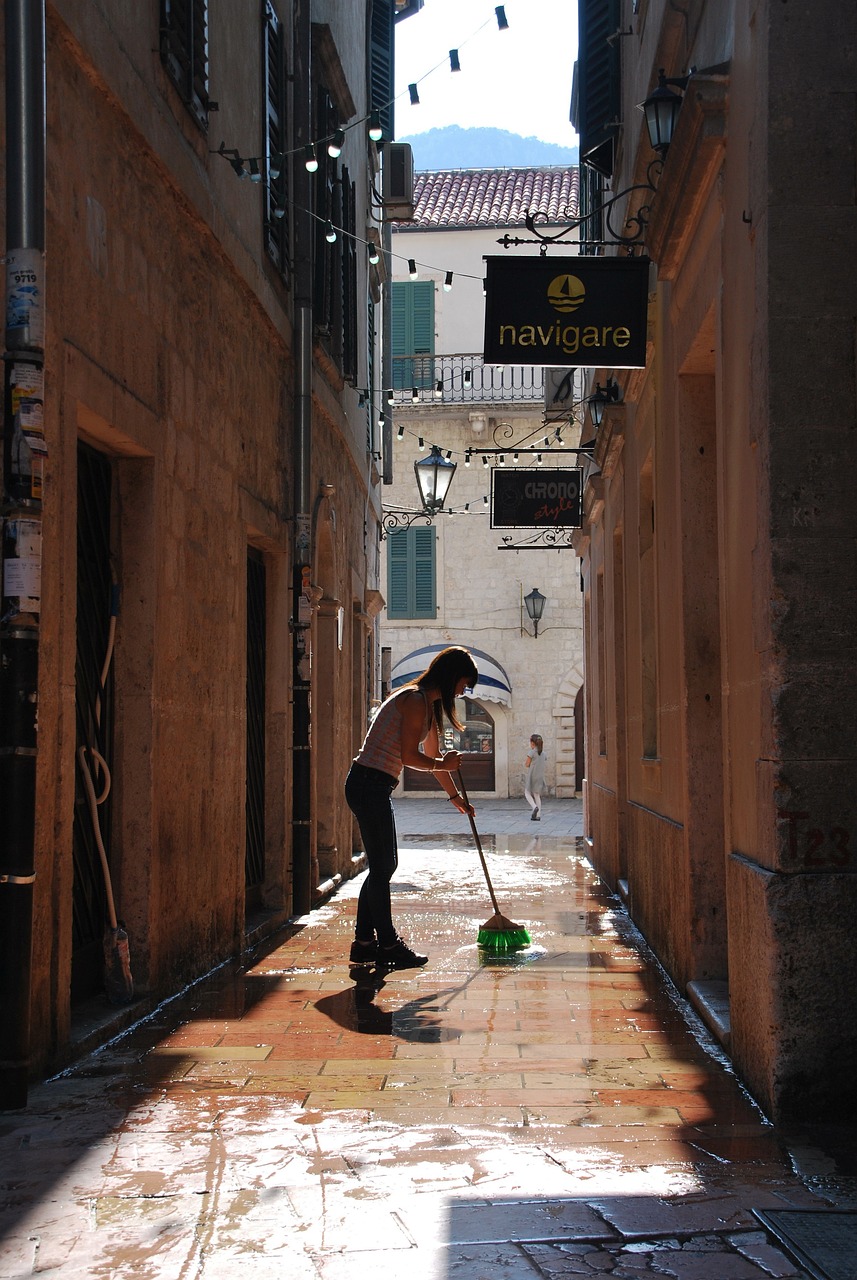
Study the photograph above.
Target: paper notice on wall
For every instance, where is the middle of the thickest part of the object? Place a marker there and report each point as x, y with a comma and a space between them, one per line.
22, 564
25, 315
22, 578
27, 387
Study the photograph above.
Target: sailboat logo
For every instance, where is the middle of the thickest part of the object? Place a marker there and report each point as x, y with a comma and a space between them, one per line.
566, 293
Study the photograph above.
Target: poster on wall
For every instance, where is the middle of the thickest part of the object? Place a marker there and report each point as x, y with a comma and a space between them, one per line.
585, 312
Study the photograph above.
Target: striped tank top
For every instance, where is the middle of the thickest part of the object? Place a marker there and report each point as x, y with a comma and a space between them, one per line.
382, 746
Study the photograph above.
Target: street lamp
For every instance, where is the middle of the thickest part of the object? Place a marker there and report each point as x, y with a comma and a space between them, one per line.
434, 476
535, 603
600, 398
661, 110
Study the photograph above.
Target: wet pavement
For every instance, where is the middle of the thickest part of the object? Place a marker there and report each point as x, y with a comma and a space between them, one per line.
557, 1113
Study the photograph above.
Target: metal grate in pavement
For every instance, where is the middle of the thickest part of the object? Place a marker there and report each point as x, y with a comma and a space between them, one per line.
823, 1242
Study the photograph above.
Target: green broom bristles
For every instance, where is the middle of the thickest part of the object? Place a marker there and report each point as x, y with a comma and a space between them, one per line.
500, 935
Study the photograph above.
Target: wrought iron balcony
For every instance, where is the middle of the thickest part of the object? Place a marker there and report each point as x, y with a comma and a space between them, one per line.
422, 379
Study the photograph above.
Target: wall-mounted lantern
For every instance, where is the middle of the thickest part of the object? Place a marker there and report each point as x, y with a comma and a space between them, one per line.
535, 603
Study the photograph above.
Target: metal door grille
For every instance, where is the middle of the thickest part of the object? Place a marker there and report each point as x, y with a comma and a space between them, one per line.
94, 727
255, 794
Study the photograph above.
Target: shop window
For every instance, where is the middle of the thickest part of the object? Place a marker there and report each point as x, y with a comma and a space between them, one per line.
477, 740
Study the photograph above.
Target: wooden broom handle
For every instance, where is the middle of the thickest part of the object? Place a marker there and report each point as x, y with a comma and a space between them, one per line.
463, 791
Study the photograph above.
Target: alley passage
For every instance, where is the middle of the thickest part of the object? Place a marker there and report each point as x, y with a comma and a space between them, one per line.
552, 1115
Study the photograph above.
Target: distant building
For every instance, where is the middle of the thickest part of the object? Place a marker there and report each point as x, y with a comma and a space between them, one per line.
449, 581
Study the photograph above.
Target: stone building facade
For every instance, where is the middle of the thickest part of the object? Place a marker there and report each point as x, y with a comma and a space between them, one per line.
483, 418
211, 480
719, 533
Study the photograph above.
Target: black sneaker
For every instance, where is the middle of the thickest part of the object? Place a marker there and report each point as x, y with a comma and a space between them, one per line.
400, 956
363, 952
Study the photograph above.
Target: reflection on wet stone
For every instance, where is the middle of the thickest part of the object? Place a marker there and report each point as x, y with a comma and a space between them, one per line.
549, 1113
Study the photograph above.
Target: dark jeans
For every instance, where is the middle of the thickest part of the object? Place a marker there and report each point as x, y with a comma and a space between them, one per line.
368, 792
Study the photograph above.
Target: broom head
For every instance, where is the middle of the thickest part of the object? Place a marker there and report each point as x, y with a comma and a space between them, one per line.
500, 935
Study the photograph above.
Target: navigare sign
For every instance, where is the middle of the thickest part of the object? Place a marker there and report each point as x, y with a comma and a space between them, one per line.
524, 499
586, 312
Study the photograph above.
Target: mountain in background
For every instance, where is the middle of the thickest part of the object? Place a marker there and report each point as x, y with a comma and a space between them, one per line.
457, 148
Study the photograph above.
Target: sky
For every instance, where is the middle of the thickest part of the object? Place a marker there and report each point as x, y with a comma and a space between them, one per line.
518, 79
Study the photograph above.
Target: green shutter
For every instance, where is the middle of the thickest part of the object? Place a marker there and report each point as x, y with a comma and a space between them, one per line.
411, 573
412, 332
381, 80
423, 572
397, 574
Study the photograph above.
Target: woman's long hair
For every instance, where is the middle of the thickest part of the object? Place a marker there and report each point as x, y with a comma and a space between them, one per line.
537, 741
444, 671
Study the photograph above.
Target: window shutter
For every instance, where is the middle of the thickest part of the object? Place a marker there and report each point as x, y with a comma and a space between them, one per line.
184, 52
424, 575
381, 83
397, 574
597, 83
422, 322
276, 188
412, 332
411, 591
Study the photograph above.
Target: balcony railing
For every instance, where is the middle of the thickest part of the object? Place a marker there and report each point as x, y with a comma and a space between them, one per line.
422, 379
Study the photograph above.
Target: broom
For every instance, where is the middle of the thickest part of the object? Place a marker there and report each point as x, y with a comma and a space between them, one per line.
499, 934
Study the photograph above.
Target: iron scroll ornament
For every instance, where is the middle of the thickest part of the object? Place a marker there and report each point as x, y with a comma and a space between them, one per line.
636, 224
402, 518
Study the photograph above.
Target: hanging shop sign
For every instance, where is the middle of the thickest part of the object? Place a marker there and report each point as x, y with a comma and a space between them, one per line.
538, 499
584, 312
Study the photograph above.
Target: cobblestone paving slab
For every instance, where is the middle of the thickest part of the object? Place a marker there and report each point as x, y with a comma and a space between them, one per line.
554, 1114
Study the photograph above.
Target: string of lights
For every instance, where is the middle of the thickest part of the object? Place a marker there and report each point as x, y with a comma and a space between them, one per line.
332, 231
336, 140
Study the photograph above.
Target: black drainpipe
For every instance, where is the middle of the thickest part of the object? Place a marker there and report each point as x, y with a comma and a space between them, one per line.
302, 879
23, 451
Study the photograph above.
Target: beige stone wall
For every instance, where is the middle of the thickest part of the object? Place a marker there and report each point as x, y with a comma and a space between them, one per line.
169, 351
719, 752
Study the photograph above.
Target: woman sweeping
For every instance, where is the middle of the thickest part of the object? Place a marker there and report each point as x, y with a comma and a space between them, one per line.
411, 716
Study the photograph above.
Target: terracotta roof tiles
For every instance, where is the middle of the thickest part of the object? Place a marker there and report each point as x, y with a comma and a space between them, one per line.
453, 198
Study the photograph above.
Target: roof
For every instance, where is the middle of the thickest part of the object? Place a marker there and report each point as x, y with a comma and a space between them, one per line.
459, 198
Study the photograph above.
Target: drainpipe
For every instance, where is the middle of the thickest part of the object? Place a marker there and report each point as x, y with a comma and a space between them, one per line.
303, 880
23, 453
387, 350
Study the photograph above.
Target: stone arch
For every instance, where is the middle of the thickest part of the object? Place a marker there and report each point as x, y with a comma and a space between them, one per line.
564, 734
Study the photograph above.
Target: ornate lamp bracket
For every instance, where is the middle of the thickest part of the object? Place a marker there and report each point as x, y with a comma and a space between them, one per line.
402, 518
631, 235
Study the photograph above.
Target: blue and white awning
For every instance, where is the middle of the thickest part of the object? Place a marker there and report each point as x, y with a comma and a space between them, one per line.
493, 684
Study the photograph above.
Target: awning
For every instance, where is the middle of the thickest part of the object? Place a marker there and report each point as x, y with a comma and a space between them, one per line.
493, 684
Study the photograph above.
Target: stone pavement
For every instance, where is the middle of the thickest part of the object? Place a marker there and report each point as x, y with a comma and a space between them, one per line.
552, 1114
